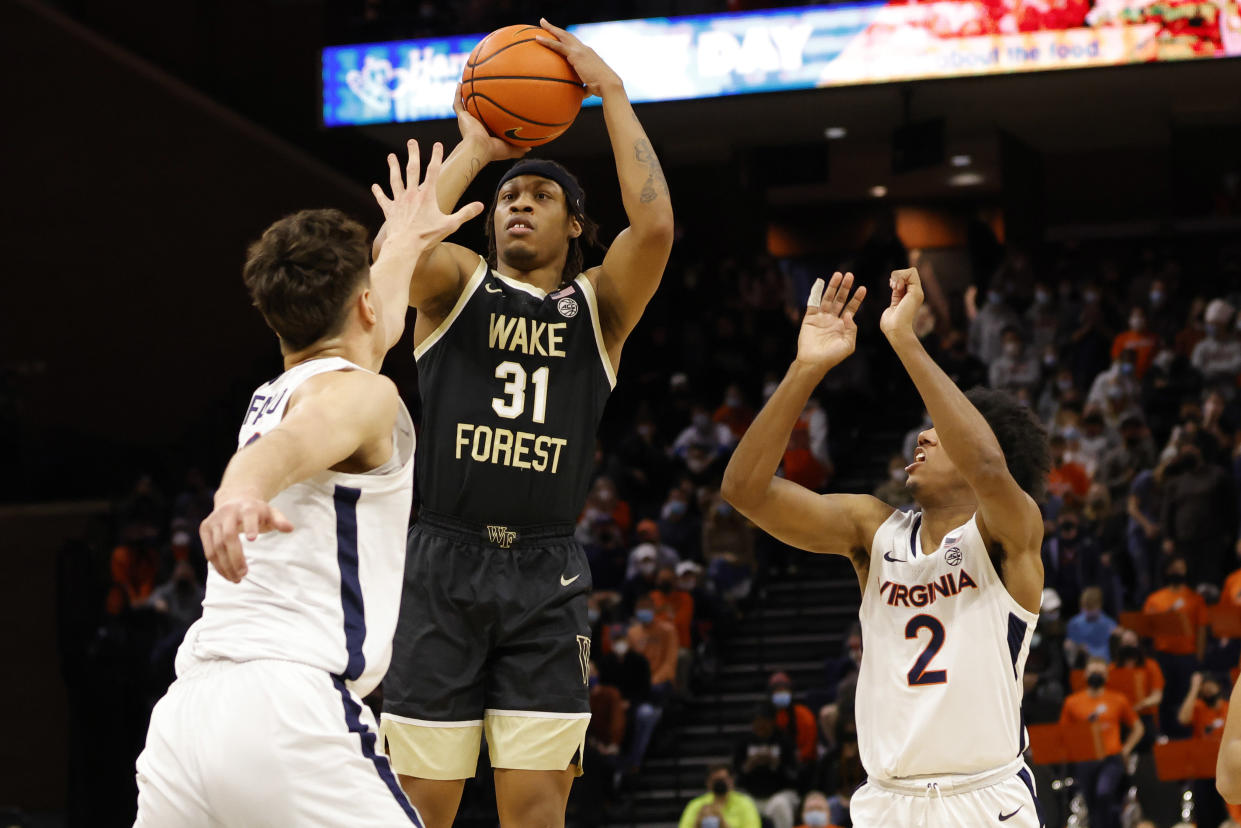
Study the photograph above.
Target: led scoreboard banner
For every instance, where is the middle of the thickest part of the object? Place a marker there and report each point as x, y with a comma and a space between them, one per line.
703, 56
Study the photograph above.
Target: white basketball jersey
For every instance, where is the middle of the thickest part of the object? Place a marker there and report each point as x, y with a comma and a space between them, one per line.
944, 648
327, 593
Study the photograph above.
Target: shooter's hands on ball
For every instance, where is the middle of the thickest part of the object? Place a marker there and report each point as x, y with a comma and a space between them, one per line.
906, 299
473, 131
597, 75
412, 216
828, 332
237, 512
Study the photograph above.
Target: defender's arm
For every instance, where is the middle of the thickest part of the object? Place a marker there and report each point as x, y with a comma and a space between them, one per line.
331, 418
1006, 513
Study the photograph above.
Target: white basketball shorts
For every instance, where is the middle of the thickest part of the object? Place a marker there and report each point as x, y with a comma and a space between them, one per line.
265, 743
1003, 798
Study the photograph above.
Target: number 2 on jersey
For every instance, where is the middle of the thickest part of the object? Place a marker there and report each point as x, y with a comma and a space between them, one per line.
515, 387
918, 674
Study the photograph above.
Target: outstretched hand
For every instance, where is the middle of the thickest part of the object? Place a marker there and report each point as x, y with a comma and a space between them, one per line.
828, 332
222, 529
906, 299
473, 130
413, 219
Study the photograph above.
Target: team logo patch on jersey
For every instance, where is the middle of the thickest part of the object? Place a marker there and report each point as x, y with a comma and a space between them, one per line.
583, 654
953, 556
567, 307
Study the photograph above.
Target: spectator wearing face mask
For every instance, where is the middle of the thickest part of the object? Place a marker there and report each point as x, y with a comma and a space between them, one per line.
734, 412
814, 811
728, 548
715, 438
1143, 505
648, 539
1139, 339
1015, 367
734, 809
1116, 392
656, 640
1179, 654
643, 581
1089, 633
894, 491
1042, 320
1094, 441
1107, 712
1122, 463
1139, 679
1199, 515
1067, 557
987, 325
766, 768
1067, 476
1205, 709
679, 526
1218, 356
794, 719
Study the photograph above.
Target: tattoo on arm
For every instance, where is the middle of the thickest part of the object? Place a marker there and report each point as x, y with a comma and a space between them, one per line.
655, 185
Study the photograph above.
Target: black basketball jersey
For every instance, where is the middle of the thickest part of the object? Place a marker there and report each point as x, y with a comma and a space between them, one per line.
513, 382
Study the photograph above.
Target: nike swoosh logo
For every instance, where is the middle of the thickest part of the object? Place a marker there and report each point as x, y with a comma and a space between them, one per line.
887, 556
566, 582
491, 289
1007, 817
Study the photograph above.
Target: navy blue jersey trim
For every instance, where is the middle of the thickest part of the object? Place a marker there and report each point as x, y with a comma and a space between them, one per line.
346, 501
1016, 635
913, 538
1024, 776
353, 718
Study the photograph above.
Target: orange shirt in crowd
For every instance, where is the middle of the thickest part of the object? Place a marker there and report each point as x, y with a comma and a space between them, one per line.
1136, 683
1209, 721
807, 730
1107, 712
1069, 477
1188, 603
678, 607
658, 643
1231, 593
1143, 345
737, 418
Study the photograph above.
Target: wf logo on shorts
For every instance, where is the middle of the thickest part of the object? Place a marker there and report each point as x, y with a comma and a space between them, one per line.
583, 653
501, 536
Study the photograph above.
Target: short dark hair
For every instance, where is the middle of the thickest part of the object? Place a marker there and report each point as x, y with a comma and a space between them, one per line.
716, 767
1021, 436
576, 259
302, 271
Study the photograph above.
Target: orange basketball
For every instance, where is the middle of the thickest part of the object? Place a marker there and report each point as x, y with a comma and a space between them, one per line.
521, 90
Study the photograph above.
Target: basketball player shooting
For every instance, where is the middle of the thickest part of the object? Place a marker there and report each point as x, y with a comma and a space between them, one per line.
517, 355
950, 592
264, 724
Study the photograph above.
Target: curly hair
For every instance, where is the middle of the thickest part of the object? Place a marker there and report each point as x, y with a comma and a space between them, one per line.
1021, 436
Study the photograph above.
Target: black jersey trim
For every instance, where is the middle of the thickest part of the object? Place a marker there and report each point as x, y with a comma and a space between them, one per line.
471, 287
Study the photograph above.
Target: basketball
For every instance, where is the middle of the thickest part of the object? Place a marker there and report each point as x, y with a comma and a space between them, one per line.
522, 91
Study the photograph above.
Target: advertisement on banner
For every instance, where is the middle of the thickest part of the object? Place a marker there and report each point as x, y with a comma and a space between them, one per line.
703, 56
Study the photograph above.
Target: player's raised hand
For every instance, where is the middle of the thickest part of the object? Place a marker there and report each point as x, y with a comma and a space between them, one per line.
592, 69
222, 529
412, 215
906, 299
828, 332
473, 130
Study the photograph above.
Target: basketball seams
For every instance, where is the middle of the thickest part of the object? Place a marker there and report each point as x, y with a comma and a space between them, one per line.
474, 79
507, 111
502, 49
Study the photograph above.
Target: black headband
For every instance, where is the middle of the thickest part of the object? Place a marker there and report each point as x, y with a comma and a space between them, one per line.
543, 168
